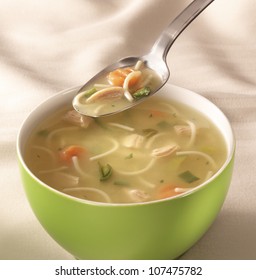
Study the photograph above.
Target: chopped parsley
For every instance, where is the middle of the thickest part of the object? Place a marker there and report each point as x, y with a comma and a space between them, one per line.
145, 91
188, 177
105, 171
129, 156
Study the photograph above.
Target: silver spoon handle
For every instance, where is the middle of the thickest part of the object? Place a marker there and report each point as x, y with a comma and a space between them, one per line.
175, 28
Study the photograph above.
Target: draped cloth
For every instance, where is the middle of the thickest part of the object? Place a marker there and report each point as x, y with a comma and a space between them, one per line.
47, 46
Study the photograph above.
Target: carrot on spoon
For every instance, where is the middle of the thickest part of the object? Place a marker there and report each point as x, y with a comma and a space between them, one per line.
118, 76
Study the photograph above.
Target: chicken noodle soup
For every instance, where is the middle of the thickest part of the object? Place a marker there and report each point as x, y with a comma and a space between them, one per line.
117, 90
153, 151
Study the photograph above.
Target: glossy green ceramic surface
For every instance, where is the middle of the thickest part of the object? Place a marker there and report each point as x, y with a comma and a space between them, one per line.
156, 230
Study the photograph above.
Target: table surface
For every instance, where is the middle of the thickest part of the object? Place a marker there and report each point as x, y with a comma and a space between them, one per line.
47, 46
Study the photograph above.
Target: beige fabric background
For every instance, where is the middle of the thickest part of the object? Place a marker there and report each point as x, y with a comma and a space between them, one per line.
47, 46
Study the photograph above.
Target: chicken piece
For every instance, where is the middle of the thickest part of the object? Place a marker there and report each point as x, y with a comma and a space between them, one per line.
133, 141
77, 119
138, 195
182, 130
106, 93
165, 151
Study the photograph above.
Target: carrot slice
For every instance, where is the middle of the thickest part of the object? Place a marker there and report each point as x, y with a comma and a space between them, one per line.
160, 114
118, 76
166, 191
71, 151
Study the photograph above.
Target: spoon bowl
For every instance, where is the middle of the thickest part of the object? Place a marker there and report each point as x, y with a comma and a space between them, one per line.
154, 60
148, 60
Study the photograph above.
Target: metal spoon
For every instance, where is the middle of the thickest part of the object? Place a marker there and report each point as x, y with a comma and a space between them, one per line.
155, 59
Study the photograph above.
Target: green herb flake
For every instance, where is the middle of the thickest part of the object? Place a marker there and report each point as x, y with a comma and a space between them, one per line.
129, 156
164, 125
142, 92
121, 183
43, 132
188, 177
89, 92
105, 171
149, 132
100, 123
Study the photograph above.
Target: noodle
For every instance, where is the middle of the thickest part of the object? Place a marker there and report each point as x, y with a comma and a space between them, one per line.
114, 148
193, 133
154, 137
52, 170
60, 130
87, 189
130, 173
73, 180
78, 168
209, 175
147, 183
125, 127
206, 156
100, 86
46, 150
126, 84
146, 81
138, 65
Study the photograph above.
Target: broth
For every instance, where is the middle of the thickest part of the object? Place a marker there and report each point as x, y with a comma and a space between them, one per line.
155, 150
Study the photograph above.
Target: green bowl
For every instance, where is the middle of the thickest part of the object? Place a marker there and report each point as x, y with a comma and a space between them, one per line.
153, 230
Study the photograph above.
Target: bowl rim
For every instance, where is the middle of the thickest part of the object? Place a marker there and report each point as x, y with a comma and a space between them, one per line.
71, 90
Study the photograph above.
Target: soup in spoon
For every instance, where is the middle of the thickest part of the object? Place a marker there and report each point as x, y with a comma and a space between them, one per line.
116, 89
